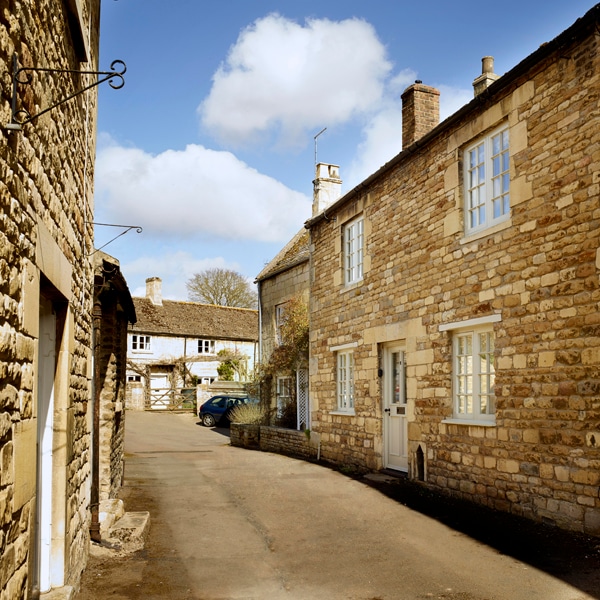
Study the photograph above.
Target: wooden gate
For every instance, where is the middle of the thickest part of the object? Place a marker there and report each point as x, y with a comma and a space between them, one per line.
173, 399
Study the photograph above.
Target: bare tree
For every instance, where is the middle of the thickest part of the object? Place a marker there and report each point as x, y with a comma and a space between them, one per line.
222, 287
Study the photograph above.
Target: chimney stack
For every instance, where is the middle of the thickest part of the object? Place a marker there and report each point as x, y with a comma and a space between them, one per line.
154, 290
487, 76
420, 112
327, 187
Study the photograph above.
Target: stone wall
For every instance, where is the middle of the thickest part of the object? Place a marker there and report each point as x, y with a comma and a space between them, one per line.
287, 441
276, 291
113, 311
275, 439
539, 272
244, 435
46, 207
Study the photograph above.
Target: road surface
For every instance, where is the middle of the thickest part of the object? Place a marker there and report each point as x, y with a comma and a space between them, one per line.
229, 523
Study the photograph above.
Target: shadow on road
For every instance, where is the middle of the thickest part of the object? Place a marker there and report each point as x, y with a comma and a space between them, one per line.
224, 431
571, 557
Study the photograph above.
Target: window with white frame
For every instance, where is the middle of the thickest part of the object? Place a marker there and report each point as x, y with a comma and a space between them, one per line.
134, 378
353, 250
206, 346
487, 182
140, 343
345, 381
474, 373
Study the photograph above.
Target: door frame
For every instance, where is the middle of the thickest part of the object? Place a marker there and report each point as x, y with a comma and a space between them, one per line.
394, 408
47, 362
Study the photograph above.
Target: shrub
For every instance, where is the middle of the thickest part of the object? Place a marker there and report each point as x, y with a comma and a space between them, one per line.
248, 414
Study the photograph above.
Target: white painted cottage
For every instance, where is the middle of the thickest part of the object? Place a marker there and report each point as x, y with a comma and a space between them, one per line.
176, 344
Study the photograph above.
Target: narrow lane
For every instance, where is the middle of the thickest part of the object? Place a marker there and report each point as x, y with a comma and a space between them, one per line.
228, 523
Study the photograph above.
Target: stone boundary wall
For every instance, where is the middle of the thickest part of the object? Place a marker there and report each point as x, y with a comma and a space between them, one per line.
245, 436
287, 441
274, 439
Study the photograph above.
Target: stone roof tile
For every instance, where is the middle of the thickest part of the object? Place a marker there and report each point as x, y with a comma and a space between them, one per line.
296, 251
192, 319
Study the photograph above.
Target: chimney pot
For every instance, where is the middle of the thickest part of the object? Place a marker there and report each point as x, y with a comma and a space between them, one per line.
487, 64
487, 76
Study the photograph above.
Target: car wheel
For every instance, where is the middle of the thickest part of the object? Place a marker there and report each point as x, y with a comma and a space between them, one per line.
208, 420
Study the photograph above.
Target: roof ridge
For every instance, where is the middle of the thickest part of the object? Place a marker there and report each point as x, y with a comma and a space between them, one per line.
191, 302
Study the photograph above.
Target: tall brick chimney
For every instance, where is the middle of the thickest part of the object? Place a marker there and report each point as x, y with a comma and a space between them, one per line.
154, 290
420, 112
487, 76
327, 187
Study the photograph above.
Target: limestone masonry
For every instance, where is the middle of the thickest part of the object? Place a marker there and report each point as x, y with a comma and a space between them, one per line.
515, 423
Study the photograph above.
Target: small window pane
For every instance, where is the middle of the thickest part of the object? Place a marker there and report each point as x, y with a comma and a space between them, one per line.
496, 165
480, 153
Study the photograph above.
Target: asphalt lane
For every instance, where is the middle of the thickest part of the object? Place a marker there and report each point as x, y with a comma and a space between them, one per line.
229, 523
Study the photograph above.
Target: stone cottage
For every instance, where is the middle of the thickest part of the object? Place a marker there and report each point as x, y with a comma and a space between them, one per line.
113, 311
455, 293
47, 152
284, 278
176, 344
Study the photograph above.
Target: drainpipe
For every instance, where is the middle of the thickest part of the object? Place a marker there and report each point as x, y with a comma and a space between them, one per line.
259, 333
259, 321
96, 389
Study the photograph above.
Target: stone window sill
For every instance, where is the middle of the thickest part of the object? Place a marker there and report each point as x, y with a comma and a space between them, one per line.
469, 422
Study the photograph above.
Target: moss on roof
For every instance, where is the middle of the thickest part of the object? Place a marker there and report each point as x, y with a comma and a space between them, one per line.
296, 251
192, 319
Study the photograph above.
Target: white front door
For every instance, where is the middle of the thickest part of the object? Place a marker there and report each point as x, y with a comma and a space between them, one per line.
394, 409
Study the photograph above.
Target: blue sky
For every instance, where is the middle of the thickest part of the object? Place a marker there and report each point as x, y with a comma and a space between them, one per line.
209, 146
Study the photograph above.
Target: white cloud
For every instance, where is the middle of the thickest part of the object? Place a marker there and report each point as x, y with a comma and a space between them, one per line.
382, 141
382, 135
294, 78
195, 191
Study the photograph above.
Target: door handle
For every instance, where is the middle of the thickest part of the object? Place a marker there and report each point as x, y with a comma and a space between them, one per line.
387, 410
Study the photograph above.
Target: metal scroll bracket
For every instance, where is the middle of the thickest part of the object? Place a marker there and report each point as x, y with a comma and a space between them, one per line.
127, 229
23, 76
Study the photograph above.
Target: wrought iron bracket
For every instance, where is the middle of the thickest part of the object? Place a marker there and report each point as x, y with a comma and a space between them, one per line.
127, 229
22, 75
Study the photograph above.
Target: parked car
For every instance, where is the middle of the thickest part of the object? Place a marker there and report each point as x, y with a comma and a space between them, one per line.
217, 409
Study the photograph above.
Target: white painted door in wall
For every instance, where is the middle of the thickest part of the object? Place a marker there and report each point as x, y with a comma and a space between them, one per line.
45, 415
395, 441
